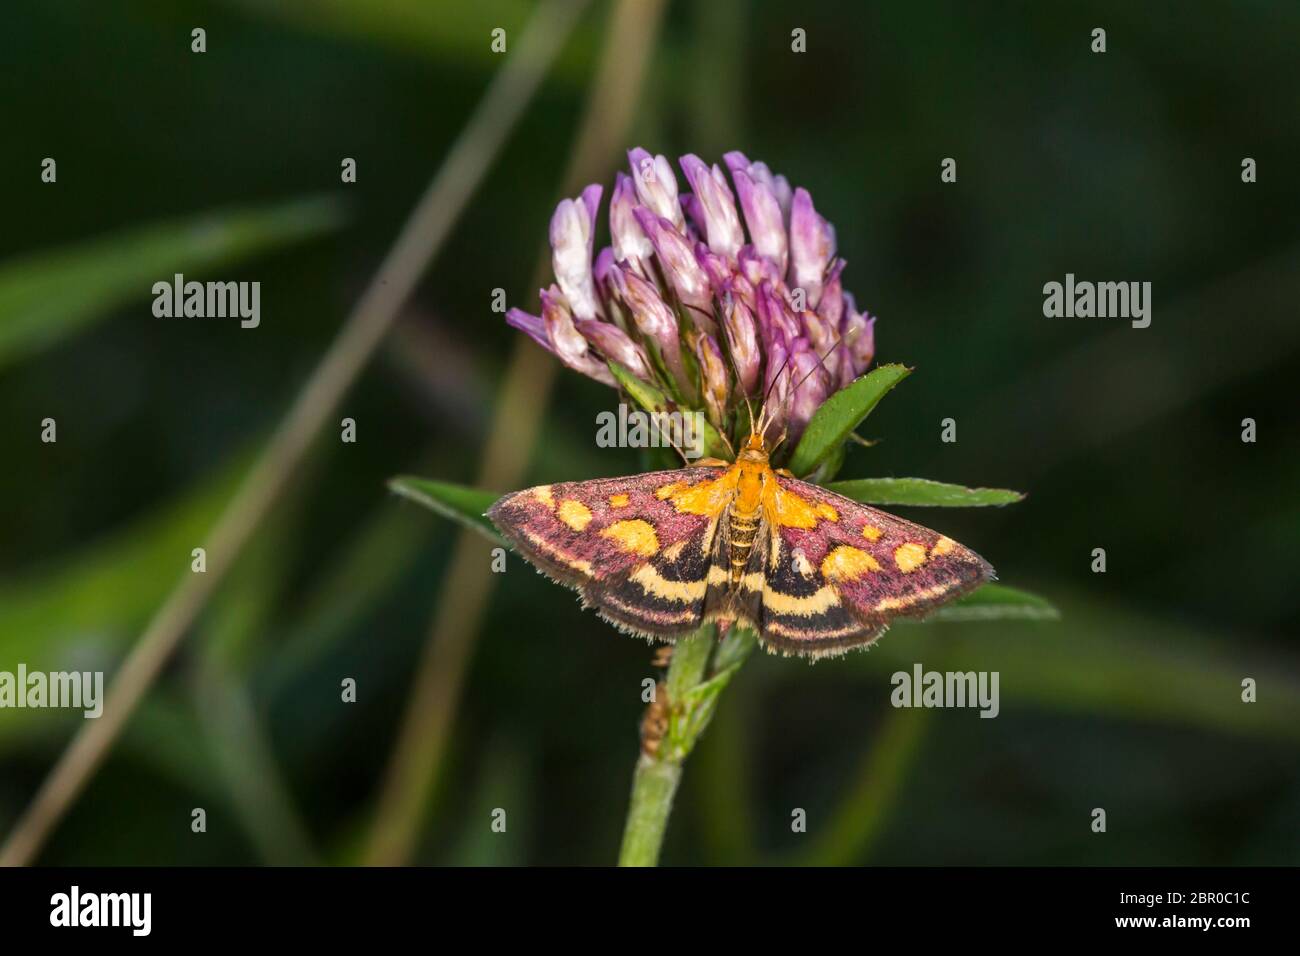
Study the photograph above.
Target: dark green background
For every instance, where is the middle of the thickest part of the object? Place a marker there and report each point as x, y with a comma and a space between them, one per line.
1123, 166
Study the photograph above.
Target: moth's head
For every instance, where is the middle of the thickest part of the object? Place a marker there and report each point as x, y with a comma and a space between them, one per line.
757, 450
754, 451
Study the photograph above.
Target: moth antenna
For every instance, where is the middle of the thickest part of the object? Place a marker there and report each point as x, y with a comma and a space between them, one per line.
790, 393
763, 418
686, 460
735, 369
764, 421
660, 430
680, 453
821, 362
727, 441
775, 378
732, 358
749, 407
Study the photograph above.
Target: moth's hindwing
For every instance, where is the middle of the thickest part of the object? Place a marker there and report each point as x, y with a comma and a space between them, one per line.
805, 614
837, 572
640, 559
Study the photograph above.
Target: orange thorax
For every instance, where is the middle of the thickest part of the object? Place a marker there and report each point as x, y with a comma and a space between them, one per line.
753, 477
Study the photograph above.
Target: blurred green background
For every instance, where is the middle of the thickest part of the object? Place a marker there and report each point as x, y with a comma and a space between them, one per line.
1122, 166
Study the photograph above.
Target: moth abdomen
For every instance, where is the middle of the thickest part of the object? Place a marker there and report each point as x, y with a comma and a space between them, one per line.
743, 528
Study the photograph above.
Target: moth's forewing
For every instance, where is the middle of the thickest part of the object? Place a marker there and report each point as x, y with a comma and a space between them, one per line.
621, 542
844, 570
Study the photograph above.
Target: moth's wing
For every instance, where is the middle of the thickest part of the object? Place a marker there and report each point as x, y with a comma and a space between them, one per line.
788, 606
627, 545
838, 571
799, 611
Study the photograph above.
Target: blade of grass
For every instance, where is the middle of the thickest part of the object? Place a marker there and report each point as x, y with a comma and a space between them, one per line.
997, 602
723, 798
465, 506
921, 492
249, 770
80, 612
444, 33
1103, 661
241, 748
51, 295
507, 781
854, 827
353, 582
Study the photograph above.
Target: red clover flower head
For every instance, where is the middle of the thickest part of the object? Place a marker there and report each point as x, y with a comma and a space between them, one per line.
692, 302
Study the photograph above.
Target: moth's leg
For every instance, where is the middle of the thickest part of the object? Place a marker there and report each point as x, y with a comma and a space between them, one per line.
713, 463
786, 473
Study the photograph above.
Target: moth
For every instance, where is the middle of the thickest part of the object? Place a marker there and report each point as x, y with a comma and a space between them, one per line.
738, 543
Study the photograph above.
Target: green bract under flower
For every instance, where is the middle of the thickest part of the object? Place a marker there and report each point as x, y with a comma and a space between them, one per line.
688, 301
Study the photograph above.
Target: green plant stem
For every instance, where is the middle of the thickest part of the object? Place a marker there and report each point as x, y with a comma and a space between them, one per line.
690, 661
653, 787
691, 695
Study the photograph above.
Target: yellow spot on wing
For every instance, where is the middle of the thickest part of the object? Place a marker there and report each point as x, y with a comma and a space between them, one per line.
787, 509
575, 514
636, 536
942, 546
674, 550
871, 532
541, 544
909, 557
827, 512
780, 630
687, 592
667, 491
706, 498
895, 604
638, 613
823, 599
846, 563
752, 581
543, 494
618, 501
